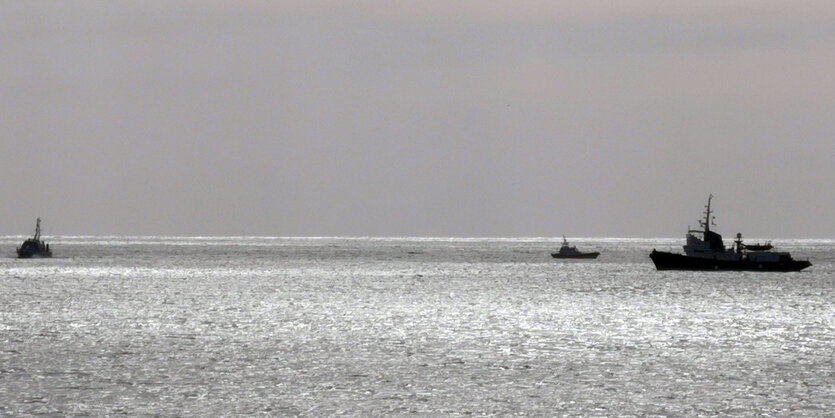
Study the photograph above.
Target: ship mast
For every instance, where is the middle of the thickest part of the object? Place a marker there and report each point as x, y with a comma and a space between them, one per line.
706, 222
38, 229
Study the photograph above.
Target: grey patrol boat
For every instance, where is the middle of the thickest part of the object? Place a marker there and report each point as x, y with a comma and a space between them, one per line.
568, 251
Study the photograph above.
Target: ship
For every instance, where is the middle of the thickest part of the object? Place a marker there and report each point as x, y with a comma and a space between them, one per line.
34, 247
567, 251
704, 250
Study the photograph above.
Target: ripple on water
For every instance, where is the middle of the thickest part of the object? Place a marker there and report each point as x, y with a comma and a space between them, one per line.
175, 326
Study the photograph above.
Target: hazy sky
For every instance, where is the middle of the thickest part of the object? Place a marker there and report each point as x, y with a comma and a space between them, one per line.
424, 118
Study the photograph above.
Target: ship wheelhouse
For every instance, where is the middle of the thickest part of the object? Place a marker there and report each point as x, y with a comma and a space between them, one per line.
704, 242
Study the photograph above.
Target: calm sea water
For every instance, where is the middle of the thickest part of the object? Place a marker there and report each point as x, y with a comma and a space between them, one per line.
280, 326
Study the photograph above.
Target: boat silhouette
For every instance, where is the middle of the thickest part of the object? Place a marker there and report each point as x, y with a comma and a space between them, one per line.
34, 247
705, 250
567, 251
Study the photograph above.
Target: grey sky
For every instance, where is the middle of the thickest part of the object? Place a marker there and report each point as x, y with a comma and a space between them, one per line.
440, 118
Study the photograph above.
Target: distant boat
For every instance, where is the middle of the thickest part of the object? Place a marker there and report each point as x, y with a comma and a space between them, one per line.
34, 247
567, 251
705, 251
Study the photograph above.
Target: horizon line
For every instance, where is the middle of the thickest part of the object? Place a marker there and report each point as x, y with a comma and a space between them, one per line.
381, 237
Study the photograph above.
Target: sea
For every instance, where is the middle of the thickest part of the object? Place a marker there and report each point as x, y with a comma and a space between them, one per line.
232, 326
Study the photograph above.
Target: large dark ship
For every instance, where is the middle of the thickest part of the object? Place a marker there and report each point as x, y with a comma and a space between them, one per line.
567, 251
705, 250
34, 247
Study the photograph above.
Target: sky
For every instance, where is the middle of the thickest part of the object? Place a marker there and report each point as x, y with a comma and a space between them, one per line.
432, 118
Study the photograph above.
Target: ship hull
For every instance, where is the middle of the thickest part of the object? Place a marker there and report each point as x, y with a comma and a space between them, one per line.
672, 261
583, 255
34, 255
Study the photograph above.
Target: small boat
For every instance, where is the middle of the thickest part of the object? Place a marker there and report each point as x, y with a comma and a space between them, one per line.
705, 251
567, 251
759, 247
34, 247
